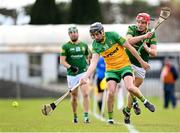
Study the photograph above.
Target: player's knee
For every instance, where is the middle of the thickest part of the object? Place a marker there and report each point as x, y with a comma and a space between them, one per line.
74, 97
130, 88
85, 95
110, 94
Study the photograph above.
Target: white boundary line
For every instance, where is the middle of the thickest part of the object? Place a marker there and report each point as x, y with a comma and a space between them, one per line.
130, 127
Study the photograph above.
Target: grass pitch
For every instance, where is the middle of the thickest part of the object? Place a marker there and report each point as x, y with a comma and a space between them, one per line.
27, 117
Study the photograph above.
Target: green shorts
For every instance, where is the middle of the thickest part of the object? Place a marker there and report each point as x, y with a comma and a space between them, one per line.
118, 74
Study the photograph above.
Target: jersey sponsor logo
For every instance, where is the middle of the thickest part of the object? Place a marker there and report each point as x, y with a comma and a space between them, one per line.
115, 57
76, 56
112, 53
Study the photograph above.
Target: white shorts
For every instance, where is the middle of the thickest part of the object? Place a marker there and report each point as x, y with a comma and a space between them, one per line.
73, 80
139, 72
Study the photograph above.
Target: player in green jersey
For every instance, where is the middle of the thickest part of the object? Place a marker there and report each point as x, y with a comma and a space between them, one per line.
111, 46
138, 35
74, 55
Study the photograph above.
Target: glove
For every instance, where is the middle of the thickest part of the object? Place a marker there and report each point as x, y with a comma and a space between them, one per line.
74, 69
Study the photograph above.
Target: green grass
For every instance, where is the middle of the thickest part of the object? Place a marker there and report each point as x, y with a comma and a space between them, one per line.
27, 117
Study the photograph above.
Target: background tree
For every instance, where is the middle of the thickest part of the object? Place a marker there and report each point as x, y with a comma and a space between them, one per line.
64, 11
85, 12
129, 11
45, 12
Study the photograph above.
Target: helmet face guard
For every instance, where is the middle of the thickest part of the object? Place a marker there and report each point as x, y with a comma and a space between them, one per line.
72, 29
144, 16
96, 27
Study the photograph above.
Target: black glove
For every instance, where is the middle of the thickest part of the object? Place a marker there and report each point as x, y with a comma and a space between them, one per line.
74, 69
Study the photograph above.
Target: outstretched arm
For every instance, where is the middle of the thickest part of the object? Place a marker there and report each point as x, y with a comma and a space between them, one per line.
144, 64
92, 66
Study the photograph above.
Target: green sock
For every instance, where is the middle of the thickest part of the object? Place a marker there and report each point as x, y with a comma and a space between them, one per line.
85, 114
134, 99
128, 109
142, 98
110, 114
75, 115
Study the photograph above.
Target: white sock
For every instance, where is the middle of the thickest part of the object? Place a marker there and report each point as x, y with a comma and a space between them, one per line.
145, 101
135, 102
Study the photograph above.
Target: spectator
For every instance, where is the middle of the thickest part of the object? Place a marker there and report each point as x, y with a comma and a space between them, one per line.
169, 76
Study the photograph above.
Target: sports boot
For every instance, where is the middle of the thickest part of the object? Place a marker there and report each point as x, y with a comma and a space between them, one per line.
110, 121
136, 108
75, 120
126, 116
86, 120
149, 106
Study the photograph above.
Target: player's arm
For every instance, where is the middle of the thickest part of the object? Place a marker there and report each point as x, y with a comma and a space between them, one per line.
133, 40
89, 56
63, 55
152, 50
64, 62
92, 67
144, 64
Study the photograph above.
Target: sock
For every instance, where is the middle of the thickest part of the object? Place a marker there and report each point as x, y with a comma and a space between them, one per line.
100, 105
128, 109
75, 115
110, 115
85, 114
142, 98
134, 99
145, 101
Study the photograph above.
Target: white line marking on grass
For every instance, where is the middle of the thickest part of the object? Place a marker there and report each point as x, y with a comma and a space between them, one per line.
130, 127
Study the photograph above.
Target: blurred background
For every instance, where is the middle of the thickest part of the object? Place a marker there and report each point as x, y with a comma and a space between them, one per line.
32, 31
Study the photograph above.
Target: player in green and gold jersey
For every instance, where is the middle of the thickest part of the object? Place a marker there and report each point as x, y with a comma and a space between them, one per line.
111, 46
74, 55
144, 41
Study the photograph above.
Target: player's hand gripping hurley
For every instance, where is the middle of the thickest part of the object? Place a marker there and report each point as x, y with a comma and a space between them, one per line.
164, 14
49, 108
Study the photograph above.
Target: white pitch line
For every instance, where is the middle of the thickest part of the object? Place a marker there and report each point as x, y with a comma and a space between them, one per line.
130, 127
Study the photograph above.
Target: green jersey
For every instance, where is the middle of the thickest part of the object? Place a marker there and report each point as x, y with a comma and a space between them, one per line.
133, 31
76, 55
112, 50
